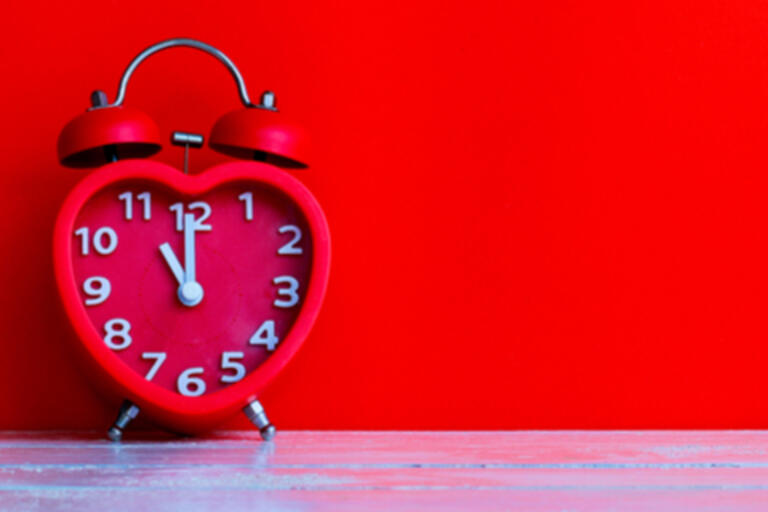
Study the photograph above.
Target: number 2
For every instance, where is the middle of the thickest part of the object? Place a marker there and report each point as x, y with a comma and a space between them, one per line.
290, 247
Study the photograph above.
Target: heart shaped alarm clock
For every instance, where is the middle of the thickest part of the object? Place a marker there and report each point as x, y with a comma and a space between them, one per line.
188, 294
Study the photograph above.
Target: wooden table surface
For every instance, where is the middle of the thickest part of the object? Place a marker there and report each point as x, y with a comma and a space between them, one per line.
526, 471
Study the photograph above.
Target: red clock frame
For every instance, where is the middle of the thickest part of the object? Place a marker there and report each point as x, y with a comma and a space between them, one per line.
181, 413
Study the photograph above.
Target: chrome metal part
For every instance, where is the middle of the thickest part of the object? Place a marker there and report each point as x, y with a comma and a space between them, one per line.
99, 99
268, 101
187, 140
255, 413
183, 138
181, 42
128, 412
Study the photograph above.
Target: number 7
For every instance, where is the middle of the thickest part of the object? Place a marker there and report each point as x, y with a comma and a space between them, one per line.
159, 358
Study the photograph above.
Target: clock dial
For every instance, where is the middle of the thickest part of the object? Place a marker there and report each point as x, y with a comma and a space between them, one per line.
192, 293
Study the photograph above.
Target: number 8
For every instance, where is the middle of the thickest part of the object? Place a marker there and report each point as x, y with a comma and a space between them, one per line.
118, 328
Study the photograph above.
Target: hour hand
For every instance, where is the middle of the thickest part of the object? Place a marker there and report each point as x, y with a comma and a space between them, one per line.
173, 262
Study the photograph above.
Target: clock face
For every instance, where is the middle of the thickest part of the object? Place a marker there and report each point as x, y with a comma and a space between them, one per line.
191, 292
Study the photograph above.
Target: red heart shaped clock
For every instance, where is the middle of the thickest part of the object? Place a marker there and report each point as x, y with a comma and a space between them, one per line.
188, 294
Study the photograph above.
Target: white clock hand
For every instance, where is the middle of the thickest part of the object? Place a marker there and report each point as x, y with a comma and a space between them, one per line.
190, 292
189, 248
173, 262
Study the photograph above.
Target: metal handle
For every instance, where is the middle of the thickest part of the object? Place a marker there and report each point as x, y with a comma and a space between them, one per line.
190, 43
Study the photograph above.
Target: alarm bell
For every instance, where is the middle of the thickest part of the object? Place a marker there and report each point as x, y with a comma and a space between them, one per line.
102, 135
107, 131
259, 133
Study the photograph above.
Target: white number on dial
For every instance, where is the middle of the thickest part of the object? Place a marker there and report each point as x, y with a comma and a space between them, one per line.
178, 209
120, 329
248, 198
290, 291
98, 240
290, 247
265, 335
187, 379
228, 363
100, 293
159, 358
144, 197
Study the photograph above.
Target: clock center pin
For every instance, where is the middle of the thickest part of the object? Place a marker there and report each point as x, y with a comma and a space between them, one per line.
191, 293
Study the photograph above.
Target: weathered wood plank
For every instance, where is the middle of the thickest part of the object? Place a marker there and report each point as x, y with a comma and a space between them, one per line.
328, 448
532, 471
532, 500
403, 478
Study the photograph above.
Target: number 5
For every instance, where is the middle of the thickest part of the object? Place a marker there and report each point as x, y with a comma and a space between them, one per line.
228, 363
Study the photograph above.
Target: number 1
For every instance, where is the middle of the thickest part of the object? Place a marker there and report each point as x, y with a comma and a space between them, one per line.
248, 198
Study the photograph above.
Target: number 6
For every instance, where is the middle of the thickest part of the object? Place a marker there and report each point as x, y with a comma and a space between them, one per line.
186, 379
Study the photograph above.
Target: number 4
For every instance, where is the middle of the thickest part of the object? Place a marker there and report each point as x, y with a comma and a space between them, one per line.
265, 335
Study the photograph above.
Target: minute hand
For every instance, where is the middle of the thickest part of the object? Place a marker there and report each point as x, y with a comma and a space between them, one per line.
189, 248
190, 291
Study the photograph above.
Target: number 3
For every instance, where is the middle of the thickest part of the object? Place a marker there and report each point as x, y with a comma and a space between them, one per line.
290, 292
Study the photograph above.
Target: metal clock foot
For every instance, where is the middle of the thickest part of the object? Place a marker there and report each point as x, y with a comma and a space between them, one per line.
255, 413
128, 411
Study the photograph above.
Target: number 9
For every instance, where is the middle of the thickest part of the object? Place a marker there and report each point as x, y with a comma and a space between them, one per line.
98, 294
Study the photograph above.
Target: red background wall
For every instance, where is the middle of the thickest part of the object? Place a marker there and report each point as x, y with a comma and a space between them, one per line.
544, 215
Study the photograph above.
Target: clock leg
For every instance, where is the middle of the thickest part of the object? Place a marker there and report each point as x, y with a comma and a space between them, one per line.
255, 413
128, 411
